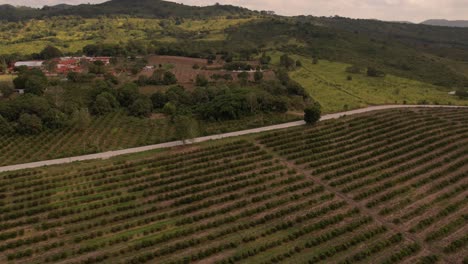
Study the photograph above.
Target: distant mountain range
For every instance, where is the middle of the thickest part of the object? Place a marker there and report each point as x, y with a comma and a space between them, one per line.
446, 23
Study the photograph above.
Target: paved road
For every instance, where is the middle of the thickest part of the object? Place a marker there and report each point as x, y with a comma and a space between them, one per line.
109, 154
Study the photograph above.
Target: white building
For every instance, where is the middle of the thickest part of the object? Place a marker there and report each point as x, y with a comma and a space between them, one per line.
29, 64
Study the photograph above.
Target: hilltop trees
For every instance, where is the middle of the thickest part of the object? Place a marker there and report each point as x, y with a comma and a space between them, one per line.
50, 52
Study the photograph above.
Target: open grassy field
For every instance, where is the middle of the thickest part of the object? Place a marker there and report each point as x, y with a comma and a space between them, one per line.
327, 82
382, 187
112, 132
6, 78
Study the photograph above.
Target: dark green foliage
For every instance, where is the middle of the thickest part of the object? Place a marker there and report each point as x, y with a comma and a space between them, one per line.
169, 78
159, 77
127, 94
201, 80
32, 81
237, 66
159, 99
55, 119
5, 126
463, 94
243, 77
186, 127
353, 69
50, 52
373, 72
287, 62
265, 60
141, 107
6, 90
97, 67
226, 77
312, 113
104, 103
258, 76
29, 124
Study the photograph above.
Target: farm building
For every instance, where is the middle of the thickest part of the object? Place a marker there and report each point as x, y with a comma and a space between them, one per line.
68, 64
29, 64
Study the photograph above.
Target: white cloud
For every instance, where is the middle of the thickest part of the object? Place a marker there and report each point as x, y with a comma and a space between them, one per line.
408, 10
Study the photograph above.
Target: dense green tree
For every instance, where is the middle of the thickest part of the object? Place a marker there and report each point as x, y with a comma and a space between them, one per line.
5, 126
186, 127
54, 119
294, 88
33, 81
265, 60
258, 76
29, 124
101, 106
35, 85
159, 99
243, 77
141, 107
287, 62
81, 119
97, 67
50, 52
127, 94
312, 113
201, 80
462, 94
374, 72
169, 78
73, 77
6, 90
170, 109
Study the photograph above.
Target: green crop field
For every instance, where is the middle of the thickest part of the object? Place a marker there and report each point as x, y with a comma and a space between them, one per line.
112, 132
382, 187
327, 83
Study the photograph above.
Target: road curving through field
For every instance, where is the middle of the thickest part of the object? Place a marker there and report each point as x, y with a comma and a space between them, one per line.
110, 154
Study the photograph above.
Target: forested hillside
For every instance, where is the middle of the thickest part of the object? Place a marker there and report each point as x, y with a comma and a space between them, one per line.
141, 8
436, 55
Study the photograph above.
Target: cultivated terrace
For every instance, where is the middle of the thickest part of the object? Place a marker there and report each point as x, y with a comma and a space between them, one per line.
383, 187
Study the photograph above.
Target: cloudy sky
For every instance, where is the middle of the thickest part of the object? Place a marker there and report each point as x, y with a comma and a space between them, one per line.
396, 10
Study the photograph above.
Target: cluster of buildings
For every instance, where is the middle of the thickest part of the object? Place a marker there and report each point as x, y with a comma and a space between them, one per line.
61, 65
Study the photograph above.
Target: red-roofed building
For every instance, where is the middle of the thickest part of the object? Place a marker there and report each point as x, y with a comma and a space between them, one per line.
68, 64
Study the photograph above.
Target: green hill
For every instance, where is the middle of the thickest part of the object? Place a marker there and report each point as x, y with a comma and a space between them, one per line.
140, 8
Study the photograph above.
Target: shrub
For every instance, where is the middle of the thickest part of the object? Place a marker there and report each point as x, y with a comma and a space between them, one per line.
312, 113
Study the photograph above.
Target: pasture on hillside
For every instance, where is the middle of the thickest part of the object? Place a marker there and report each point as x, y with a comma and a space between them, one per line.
71, 34
382, 187
328, 83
